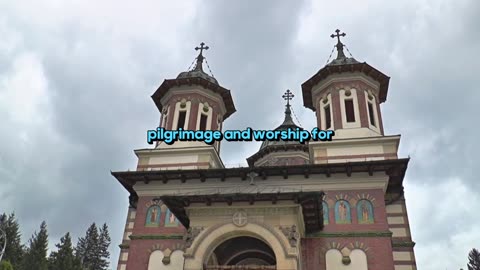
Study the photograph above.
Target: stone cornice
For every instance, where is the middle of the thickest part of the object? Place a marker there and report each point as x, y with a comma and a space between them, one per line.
350, 234
155, 236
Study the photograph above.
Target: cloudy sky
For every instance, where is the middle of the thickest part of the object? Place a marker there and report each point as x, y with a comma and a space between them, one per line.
76, 79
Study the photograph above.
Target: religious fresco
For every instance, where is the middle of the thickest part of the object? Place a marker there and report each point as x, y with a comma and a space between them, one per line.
153, 215
325, 213
342, 212
365, 211
170, 219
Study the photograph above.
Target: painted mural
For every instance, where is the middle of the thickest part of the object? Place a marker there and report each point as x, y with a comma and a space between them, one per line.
170, 219
365, 212
325, 213
153, 215
342, 212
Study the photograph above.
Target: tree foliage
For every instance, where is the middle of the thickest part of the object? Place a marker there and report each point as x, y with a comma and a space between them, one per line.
474, 260
92, 250
36, 253
14, 249
63, 258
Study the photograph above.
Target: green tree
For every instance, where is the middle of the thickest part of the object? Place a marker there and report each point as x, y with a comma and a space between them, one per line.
92, 250
88, 249
63, 258
6, 265
14, 249
474, 260
36, 254
104, 245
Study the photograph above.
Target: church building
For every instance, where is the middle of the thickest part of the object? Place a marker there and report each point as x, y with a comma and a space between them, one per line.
320, 205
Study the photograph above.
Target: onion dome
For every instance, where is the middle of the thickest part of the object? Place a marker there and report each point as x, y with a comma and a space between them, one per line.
280, 153
197, 71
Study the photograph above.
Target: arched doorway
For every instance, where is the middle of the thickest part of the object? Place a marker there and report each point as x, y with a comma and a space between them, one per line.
241, 252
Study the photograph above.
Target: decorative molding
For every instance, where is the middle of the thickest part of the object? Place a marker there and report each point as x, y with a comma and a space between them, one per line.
346, 248
291, 233
191, 234
365, 196
269, 228
403, 244
124, 246
155, 236
156, 202
240, 218
267, 211
350, 234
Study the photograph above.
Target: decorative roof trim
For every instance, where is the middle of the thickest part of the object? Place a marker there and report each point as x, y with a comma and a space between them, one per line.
223, 92
333, 69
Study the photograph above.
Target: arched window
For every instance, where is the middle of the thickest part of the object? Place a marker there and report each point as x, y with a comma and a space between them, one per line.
155, 260
354, 260
170, 219
325, 212
153, 216
342, 212
364, 212
166, 261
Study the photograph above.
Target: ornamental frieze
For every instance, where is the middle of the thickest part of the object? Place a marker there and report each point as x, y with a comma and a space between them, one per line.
267, 211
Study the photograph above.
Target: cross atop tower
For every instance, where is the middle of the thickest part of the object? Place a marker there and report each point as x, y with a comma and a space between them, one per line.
339, 45
288, 96
338, 35
200, 57
201, 48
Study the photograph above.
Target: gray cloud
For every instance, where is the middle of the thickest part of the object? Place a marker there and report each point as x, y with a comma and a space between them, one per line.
75, 87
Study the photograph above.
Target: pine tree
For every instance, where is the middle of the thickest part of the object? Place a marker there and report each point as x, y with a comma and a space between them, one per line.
104, 245
474, 260
14, 249
36, 254
92, 250
88, 249
63, 258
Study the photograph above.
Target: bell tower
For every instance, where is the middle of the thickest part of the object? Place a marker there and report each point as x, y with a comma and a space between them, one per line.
193, 101
346, 96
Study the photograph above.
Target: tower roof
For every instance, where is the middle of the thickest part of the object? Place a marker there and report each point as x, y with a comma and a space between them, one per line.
287, 123
343, 64
281, 145
199, 77
197, 71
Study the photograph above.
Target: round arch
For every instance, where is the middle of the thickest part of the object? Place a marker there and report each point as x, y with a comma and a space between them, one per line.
204, 245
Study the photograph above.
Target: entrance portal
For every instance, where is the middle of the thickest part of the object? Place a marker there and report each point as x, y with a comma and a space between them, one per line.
242, 253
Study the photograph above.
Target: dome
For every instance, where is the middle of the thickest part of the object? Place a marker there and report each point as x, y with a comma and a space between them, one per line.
197, 73
343, 61
282, 153
287, 123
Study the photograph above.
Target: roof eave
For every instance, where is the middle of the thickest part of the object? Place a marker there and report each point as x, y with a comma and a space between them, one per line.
326, 71
223, 92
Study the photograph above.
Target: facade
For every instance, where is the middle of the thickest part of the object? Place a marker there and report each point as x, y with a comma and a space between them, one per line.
335, 205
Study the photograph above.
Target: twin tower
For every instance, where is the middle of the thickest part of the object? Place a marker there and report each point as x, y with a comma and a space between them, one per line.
333, 205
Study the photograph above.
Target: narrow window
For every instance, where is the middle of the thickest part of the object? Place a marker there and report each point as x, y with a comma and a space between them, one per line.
181, 119
349, 110
203, 122
370, 114
328, 120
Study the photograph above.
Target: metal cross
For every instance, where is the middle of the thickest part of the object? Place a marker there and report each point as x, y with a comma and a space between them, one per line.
201, 48
338, 35
288, 96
